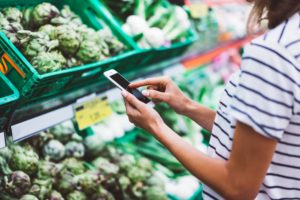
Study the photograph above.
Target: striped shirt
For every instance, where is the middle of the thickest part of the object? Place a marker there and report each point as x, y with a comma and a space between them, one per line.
265, 94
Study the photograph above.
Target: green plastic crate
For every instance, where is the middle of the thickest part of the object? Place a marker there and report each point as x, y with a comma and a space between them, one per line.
36, 86
154, 55
8, 96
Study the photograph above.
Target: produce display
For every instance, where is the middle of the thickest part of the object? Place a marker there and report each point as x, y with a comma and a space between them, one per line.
152, 23
53, 39
58, 165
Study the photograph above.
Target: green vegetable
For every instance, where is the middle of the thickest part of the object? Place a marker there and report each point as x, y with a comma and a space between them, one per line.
54, 150
124, 182
102, 194
155, 193
155, 181
73, 166
138, 190
48, 170
67, 183
4, 168
93, 145
63, 132
89, 52
69, 39
89, 181
105, 167
76, 195
29, 197
6, 153
24, 159
109, 41
12, 14
43, 13
17, 183
126, 162
137, 174
75, 149
41, 188
49, 30
144, 163
55, 196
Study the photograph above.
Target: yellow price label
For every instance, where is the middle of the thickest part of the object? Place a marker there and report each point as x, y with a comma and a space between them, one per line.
198, 10
92, 112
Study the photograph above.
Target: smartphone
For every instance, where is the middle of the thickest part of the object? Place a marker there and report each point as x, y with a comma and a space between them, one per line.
123, 84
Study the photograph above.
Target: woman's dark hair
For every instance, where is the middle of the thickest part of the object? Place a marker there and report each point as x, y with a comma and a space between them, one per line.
274, 11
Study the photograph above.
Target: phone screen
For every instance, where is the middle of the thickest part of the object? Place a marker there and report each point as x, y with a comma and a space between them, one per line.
124, 84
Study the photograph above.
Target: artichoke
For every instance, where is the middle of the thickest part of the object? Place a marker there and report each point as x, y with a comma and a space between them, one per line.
93, 145
105, 167
126, 162
12, 14
17, 183
5, 196
24, 159
69, 39
144, 163
35, 43
63, 132
47, 62
55, 196
67, 17
115, 46
26, 20
138, 190
49, 30
4, 168
155, 181
6, 153
54, 150
89, 181
43, 13
102, 194
73, 62
29, 197
41, 188
76, 195
74, 149
48, 170
124, 182
137, 174
67, 183
155, 193
74, 166
89, 52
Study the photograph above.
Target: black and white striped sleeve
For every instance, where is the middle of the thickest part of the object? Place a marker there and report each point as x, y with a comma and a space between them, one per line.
265, 96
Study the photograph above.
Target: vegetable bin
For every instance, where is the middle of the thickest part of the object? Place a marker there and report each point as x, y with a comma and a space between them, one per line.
8, 96
155, 55
34, 86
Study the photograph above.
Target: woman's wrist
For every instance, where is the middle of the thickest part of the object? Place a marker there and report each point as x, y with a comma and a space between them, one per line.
188, 107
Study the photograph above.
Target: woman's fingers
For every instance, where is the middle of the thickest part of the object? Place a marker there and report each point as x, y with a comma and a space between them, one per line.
133, 101
150, 81
156, 95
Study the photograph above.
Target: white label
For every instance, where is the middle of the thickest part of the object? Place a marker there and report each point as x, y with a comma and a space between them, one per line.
32, 126
2, 140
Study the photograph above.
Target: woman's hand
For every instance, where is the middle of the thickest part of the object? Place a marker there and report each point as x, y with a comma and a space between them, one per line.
165, 90
141, 114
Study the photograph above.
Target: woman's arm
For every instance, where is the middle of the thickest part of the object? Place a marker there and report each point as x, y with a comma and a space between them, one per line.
164, 89
239, 177
202, 115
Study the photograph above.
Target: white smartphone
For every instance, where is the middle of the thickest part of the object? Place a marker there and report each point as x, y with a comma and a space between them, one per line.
123, 84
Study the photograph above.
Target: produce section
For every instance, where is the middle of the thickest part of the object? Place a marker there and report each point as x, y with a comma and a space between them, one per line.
53, 56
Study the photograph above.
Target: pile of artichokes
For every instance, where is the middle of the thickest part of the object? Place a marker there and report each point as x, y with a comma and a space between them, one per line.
57, 166
53, 39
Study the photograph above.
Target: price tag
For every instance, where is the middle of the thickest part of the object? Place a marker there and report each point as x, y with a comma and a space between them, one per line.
198, 10
92, 111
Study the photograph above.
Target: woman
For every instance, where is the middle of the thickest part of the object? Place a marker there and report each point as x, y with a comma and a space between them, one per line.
254, 151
